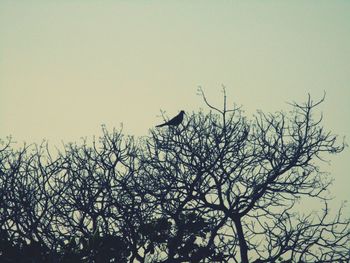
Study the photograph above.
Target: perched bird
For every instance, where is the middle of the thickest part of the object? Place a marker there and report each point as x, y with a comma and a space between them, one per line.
174, 121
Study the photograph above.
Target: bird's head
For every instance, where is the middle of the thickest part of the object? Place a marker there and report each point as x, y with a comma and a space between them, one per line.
182, 112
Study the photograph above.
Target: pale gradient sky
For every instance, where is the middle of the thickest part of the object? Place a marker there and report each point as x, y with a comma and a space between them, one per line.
66, 67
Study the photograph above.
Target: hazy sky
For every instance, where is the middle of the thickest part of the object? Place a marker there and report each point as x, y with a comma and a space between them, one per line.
66, 67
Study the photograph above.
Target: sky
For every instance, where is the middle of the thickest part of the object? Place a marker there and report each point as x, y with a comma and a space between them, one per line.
67, 67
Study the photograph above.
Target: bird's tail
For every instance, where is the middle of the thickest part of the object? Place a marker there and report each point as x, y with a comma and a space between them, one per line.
160, 125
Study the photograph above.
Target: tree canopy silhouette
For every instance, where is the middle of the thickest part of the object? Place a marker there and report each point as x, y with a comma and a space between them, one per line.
217, 188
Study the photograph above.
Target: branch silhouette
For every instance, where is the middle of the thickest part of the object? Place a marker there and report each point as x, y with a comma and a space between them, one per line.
225, 189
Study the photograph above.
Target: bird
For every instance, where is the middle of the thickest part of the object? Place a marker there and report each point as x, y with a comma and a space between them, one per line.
174, 121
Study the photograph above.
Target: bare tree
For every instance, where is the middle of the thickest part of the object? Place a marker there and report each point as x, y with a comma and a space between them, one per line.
245, 177
217, 188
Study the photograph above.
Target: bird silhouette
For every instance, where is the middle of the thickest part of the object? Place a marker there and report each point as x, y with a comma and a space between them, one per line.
174, 121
